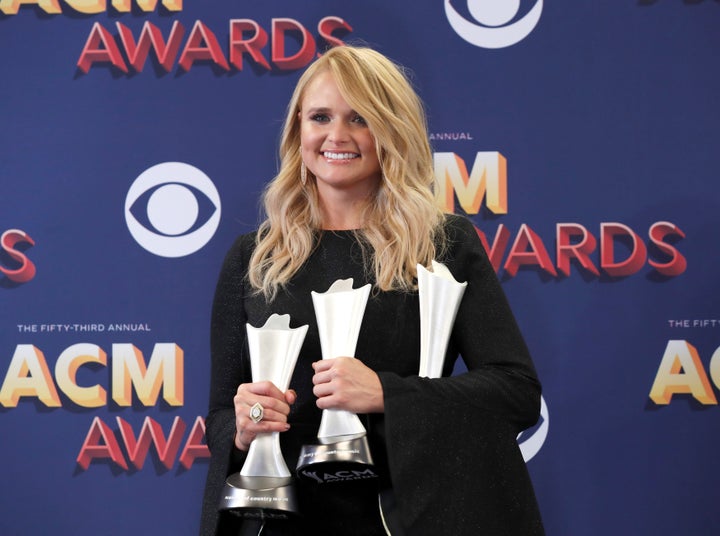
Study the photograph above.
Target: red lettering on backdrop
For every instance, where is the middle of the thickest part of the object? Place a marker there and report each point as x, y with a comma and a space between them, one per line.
150, 36
94, 53
93, 448
677, 263
307, 48
252, 46
8, 241
638, 252
579, 249
195, 447
202, 45
328, 25
101, 443
496, 252
520, 255
574, 241
246, 37
152, 432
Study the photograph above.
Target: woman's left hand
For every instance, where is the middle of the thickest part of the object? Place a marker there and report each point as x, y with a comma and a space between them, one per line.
347, 383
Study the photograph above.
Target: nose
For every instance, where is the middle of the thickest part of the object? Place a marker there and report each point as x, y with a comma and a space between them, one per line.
338, 132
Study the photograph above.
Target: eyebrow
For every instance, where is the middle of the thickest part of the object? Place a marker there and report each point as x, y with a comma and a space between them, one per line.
317, 109
323, 109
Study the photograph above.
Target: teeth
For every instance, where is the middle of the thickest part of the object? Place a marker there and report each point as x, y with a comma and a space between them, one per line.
340, 156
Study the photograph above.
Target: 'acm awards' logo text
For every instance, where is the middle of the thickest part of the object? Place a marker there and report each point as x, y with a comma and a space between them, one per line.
495, 24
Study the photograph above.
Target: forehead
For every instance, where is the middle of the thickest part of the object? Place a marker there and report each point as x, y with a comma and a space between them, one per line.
322, 91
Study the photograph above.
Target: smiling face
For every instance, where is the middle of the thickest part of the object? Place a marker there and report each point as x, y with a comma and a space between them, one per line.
337, 145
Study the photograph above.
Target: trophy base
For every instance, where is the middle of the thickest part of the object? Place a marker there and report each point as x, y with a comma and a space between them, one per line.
346, 459
259, 497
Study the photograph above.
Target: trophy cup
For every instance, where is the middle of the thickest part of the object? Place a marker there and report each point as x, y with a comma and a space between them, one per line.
264, 488
439, 296
343, 452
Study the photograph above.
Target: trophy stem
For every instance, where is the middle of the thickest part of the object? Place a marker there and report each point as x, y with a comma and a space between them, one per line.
265, 458
338, 423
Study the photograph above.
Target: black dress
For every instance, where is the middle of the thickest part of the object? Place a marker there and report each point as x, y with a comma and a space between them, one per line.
447, 446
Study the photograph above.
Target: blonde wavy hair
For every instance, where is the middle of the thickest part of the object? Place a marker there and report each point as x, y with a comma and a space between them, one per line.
402, 226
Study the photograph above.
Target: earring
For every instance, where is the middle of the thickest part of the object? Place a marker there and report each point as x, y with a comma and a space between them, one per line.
303, 169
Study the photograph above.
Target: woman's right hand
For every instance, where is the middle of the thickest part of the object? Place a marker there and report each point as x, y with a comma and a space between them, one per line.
276, 407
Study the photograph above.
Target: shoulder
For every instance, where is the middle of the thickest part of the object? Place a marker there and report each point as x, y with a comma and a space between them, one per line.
243, 244
463, 251
460, 234
238, 255
459, 227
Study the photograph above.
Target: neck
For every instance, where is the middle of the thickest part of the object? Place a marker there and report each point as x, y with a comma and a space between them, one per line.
338, 220
342, 212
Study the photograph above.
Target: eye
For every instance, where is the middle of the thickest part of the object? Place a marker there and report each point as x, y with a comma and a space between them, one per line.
320, 118
172, 209
359, 120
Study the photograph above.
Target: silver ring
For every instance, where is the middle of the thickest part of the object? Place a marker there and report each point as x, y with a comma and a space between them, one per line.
256, 412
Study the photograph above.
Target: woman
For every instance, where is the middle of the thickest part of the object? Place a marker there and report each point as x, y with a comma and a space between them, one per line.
353, 199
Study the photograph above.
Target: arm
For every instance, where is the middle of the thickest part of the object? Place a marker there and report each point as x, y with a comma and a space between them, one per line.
232, 391
229, 369
452, 442
231, 385
501, 378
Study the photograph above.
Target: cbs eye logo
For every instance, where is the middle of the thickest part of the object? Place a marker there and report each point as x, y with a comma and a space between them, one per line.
494, 26
172, 209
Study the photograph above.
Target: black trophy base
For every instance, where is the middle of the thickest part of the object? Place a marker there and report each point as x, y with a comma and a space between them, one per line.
259, 497
344, 460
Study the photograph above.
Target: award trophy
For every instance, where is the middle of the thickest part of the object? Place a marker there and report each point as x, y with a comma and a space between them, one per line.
263, 488
343, 452
440, 297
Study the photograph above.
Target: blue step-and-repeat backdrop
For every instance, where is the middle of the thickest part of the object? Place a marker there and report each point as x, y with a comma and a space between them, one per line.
582, 138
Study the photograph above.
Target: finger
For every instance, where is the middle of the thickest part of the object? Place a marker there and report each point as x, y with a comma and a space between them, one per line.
264, 427
322, 377
322, 365
249, 394
324, 402
323, 390
247, 429
331, 401
291, 396
269, 415
264, 388
273, 410
245, 436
